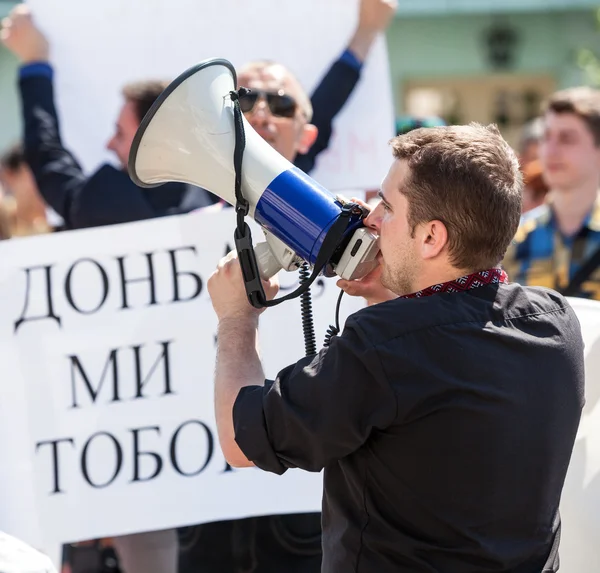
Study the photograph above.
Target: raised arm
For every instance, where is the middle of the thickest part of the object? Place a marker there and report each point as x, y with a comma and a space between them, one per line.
107, 197
57, 173
339, 82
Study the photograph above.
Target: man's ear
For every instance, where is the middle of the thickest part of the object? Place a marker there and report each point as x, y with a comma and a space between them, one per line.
434, 239
307, 138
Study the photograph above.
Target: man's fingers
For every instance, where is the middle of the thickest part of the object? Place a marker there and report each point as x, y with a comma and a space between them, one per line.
361, 203
227, 259
353, 288
271, 287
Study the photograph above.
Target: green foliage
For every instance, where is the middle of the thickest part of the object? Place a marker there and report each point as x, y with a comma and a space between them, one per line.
588, 61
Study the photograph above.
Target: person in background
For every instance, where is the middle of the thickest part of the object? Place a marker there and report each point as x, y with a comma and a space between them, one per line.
529, 141
6, 212
558, 244
528, 150
535, 188
108, 196
22, 209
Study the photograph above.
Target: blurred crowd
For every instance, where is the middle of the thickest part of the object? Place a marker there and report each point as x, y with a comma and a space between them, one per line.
43, 189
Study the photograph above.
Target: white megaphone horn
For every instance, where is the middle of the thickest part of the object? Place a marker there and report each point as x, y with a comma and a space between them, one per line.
189, 135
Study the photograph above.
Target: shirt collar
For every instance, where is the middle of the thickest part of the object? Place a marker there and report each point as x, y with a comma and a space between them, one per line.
468, 282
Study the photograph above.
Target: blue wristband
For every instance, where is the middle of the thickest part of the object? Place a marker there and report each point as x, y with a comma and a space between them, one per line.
349, 58
36, 69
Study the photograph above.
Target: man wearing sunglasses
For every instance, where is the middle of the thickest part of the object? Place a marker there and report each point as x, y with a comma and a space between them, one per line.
299, 127
278, 108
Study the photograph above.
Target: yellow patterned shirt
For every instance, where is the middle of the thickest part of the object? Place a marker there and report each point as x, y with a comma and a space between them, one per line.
541, 256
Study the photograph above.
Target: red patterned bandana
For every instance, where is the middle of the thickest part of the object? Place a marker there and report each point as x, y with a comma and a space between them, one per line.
491, 276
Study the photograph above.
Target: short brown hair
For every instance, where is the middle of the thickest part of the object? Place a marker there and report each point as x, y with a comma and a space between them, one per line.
468, 177
583, 101
143, 94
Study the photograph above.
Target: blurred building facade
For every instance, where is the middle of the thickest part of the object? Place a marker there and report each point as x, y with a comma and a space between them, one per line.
463, 60
488, 60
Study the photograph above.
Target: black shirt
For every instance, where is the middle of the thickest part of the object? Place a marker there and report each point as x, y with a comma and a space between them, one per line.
444, 424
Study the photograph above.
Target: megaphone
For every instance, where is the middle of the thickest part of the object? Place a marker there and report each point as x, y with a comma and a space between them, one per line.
190, 135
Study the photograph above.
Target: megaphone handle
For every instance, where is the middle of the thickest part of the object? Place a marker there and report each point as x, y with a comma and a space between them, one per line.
247, 258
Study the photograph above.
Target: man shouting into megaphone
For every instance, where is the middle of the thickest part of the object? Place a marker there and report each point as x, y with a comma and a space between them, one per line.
445, 413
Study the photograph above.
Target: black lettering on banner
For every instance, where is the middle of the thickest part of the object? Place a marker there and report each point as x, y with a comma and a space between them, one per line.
69, 286
228, 468
118, 460
48, 292
173, 448
196, 280
55, 464
149, 278
137, 454
164, 357
76, 366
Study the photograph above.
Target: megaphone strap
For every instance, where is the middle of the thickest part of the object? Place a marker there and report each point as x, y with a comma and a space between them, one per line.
242, 205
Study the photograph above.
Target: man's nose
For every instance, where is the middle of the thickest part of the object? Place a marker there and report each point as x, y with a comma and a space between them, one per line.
549, 148
260, 112
373, 219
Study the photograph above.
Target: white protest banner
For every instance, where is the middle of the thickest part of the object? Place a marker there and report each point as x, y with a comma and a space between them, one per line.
580, 504
107, 346
97, 47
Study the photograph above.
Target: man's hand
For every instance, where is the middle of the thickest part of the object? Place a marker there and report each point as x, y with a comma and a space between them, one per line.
369, 287
21, 36
227, 292
374, 17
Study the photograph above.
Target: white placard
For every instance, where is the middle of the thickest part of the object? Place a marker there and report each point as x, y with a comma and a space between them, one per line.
97, 47
580, 505
117, 367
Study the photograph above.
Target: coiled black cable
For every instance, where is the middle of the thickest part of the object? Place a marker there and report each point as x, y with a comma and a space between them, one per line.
308, 327
334, 330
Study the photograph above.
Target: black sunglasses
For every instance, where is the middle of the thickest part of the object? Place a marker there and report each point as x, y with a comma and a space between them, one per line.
280, 104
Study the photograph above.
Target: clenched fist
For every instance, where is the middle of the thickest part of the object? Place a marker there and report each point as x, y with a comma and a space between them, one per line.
22, 37
374, 17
